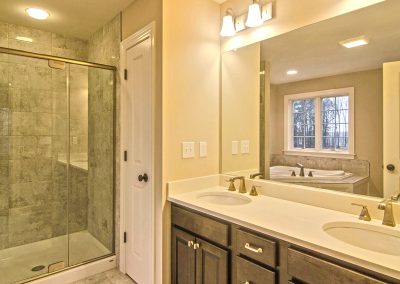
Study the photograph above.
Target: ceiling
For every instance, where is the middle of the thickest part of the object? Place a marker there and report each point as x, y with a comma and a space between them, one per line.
315, 51
76, 18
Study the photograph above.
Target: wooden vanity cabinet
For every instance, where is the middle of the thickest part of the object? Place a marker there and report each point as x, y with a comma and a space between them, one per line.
206, 250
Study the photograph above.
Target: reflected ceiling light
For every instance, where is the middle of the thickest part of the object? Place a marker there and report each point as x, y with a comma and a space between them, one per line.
228, 25
23, 38
292, 72
254, 18
37, 14
354, 42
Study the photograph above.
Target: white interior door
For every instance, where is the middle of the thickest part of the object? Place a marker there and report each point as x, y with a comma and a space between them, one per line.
139, 207
391, 128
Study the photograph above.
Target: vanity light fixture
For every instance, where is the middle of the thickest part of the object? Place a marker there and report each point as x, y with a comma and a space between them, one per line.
37, 13
354, 42
24, 38
228, 25
254, 18
292, 72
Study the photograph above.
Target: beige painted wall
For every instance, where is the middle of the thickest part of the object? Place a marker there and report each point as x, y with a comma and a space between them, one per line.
288, 15
191, 68
368, 116
240, 107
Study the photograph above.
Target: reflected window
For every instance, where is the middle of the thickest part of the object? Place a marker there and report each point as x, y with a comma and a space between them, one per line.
320, 123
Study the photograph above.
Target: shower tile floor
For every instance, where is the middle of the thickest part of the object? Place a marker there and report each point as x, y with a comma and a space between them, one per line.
109, 277
16, 263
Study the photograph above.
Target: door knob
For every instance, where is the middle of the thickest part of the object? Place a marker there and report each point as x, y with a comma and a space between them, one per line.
143, 177
390, 167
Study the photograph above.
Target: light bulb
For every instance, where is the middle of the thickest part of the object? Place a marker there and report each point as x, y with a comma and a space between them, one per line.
38, 14
254, 16
228, 26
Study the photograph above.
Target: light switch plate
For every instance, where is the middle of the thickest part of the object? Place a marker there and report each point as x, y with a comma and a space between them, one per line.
203, 149
187, 150
244, 146
235, 147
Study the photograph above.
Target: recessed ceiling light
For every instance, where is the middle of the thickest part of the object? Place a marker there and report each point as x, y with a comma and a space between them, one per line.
23, 38
38, 14
292, 72
354, 42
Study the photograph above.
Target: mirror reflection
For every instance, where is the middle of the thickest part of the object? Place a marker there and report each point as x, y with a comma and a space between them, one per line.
307, 107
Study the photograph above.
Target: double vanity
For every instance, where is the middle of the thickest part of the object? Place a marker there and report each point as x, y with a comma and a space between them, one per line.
223, 236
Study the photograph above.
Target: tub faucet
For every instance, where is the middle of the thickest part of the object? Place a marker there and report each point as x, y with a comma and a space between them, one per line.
301, 166
253, 176
387, 205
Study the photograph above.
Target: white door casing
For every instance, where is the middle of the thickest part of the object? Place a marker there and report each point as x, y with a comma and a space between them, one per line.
391, 128
137, 197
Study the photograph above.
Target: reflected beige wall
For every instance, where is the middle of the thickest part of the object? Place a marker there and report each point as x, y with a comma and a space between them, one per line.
368, 116
240, 109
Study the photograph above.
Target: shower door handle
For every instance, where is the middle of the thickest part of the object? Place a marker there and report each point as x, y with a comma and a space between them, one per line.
143, 177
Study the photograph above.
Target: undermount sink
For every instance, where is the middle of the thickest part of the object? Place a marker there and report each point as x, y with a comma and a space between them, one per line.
375, 238
224, 198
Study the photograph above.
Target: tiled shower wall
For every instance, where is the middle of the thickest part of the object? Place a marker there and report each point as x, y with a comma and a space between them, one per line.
103, 48
33, 115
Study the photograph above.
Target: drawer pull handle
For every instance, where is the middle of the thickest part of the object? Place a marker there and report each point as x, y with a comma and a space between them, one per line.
190, 243
256, 250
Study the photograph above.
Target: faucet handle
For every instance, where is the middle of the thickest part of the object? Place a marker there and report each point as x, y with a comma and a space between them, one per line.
253, 191
231, 184
395, 197
364, 215
310, 174
293, 174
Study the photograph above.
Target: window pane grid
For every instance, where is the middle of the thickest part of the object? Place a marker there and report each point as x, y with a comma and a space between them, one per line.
335, 122
303, 124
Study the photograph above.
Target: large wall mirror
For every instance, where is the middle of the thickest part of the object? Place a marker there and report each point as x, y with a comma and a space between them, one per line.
318, 106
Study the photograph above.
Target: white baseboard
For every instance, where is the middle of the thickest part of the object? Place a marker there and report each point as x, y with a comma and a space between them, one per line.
80, 272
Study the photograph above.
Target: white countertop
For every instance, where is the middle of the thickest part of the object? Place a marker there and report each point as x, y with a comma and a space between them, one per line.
297, 223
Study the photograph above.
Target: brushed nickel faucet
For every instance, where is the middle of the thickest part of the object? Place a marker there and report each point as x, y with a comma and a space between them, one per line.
364, 215
242, 186
253, 176
387, 205
301, 166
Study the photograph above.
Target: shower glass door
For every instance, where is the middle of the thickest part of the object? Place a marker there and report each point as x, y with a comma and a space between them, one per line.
33, 190
56, 165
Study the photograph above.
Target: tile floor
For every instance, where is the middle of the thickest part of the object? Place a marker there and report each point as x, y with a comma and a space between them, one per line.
113, 276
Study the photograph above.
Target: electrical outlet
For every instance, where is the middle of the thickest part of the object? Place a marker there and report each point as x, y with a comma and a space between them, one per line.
244, 146
187, 150
203, 149
235, 147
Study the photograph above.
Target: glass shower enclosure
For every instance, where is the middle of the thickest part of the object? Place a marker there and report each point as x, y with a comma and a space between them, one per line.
57, 129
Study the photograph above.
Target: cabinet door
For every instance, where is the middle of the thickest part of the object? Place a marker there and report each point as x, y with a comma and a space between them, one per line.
211, 264
183, 258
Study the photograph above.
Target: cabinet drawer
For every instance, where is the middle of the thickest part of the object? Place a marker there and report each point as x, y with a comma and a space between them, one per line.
257, 248
211, 229
310, 269
247, 271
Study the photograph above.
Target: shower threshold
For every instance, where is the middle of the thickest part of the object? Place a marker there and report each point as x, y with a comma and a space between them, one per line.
16, 263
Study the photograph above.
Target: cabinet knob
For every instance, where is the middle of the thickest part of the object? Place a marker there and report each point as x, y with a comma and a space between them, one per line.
190, 243
390, 167
196, 246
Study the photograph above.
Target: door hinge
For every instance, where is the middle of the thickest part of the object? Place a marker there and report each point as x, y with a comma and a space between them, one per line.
126, 74
124, 237
125, 156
